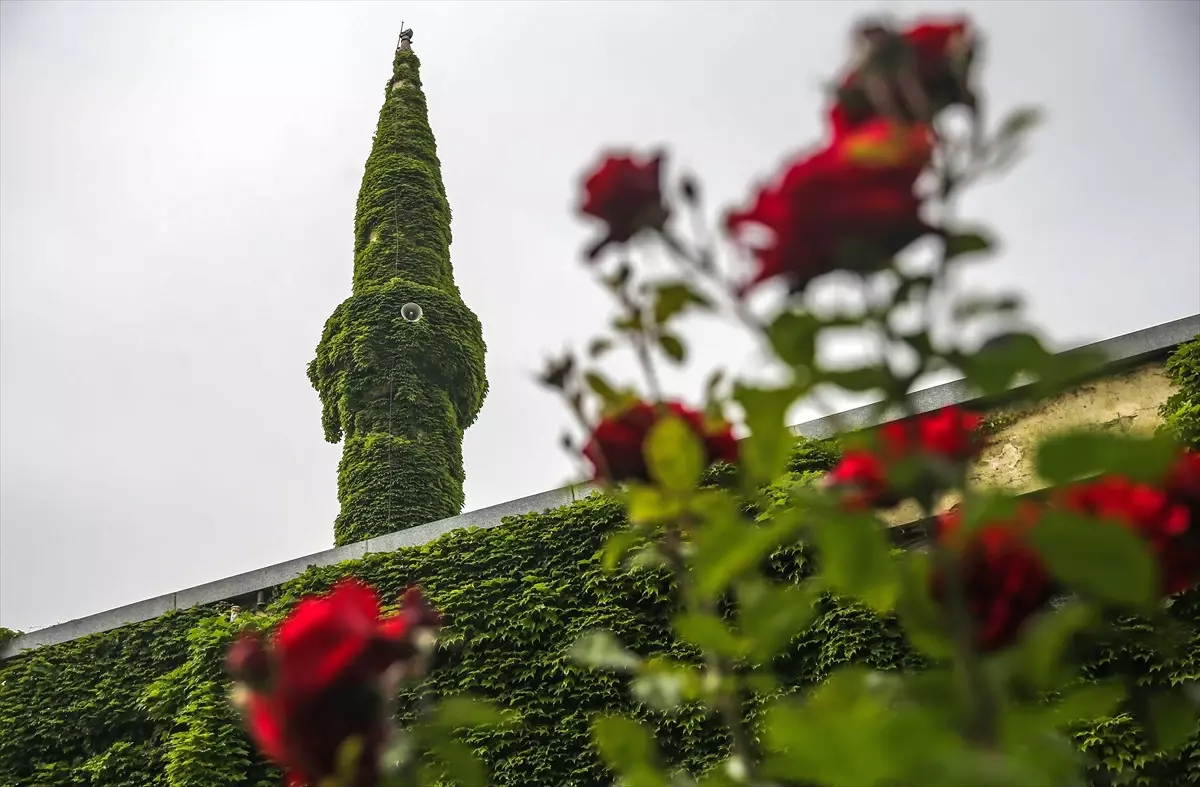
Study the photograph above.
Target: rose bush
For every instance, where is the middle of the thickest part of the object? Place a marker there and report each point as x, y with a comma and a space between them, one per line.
1001, 599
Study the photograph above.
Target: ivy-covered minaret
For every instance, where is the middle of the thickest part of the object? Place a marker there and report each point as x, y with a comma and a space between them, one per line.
400, 366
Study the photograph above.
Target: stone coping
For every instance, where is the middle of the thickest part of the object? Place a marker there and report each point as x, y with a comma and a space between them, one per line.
1121, 351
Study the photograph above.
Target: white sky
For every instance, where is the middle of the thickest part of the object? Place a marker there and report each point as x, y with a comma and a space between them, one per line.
177, 187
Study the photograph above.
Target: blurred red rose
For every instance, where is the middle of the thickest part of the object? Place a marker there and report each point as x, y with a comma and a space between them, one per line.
324, 682
1004, 581
849, 206
1162, 520
908, 76
860, 481
616, 446
950, 433
626, 194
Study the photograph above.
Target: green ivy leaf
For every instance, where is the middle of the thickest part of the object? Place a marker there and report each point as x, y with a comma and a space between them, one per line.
674, 454
765, 452
617, 546
1087, 701
673, 346
958, 244
1102, 559
1067, 457
855, 558
602, 650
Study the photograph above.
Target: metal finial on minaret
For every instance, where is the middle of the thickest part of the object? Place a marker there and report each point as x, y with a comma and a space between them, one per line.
404, 42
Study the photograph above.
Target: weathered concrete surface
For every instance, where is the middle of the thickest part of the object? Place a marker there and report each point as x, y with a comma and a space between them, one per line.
1127, 402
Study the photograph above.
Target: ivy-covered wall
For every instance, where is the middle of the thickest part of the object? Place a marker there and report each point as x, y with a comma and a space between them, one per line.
145, 704
400, 365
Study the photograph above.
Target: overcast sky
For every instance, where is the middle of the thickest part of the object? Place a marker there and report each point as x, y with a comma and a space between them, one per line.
177, 188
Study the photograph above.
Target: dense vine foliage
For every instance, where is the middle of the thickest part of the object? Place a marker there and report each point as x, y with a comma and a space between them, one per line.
400, 365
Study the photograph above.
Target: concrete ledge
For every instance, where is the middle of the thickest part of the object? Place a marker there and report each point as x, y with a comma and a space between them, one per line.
1122, 350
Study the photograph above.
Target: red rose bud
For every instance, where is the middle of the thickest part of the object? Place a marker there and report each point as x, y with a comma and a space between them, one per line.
850, 206
626, 194
616, 446
918, 73
1003, 580
248, 662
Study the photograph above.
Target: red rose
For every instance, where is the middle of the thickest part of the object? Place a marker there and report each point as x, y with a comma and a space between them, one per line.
950, 433
849, 206
860, 479
615, 448
325, 680
1164, 522
1183, 481
626, 195
1004, 581
931, 58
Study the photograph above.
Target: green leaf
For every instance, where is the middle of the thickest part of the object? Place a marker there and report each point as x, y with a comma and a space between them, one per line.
665, 685
648, 505
726, 548
1102, 559
765, 452
1040, 656
1018, 122
868, 378
617, 546
674, 454
1172, 719
465, 711
1067, 457
793, 336
971, 307
854, 555
997, 366
628, 748
850, 732
673, 298
958, 244
917, 610
709, 634
602, 388
459, 761
1087, 701
602, 650
673, 346
772, 615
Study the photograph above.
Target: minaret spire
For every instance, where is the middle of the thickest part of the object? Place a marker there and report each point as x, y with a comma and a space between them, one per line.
400, 366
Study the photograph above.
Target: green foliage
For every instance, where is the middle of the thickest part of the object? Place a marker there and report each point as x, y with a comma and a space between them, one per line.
399, 392
144, 705
1181, 412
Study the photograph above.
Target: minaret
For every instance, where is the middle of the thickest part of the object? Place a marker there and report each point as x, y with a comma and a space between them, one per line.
400, 366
